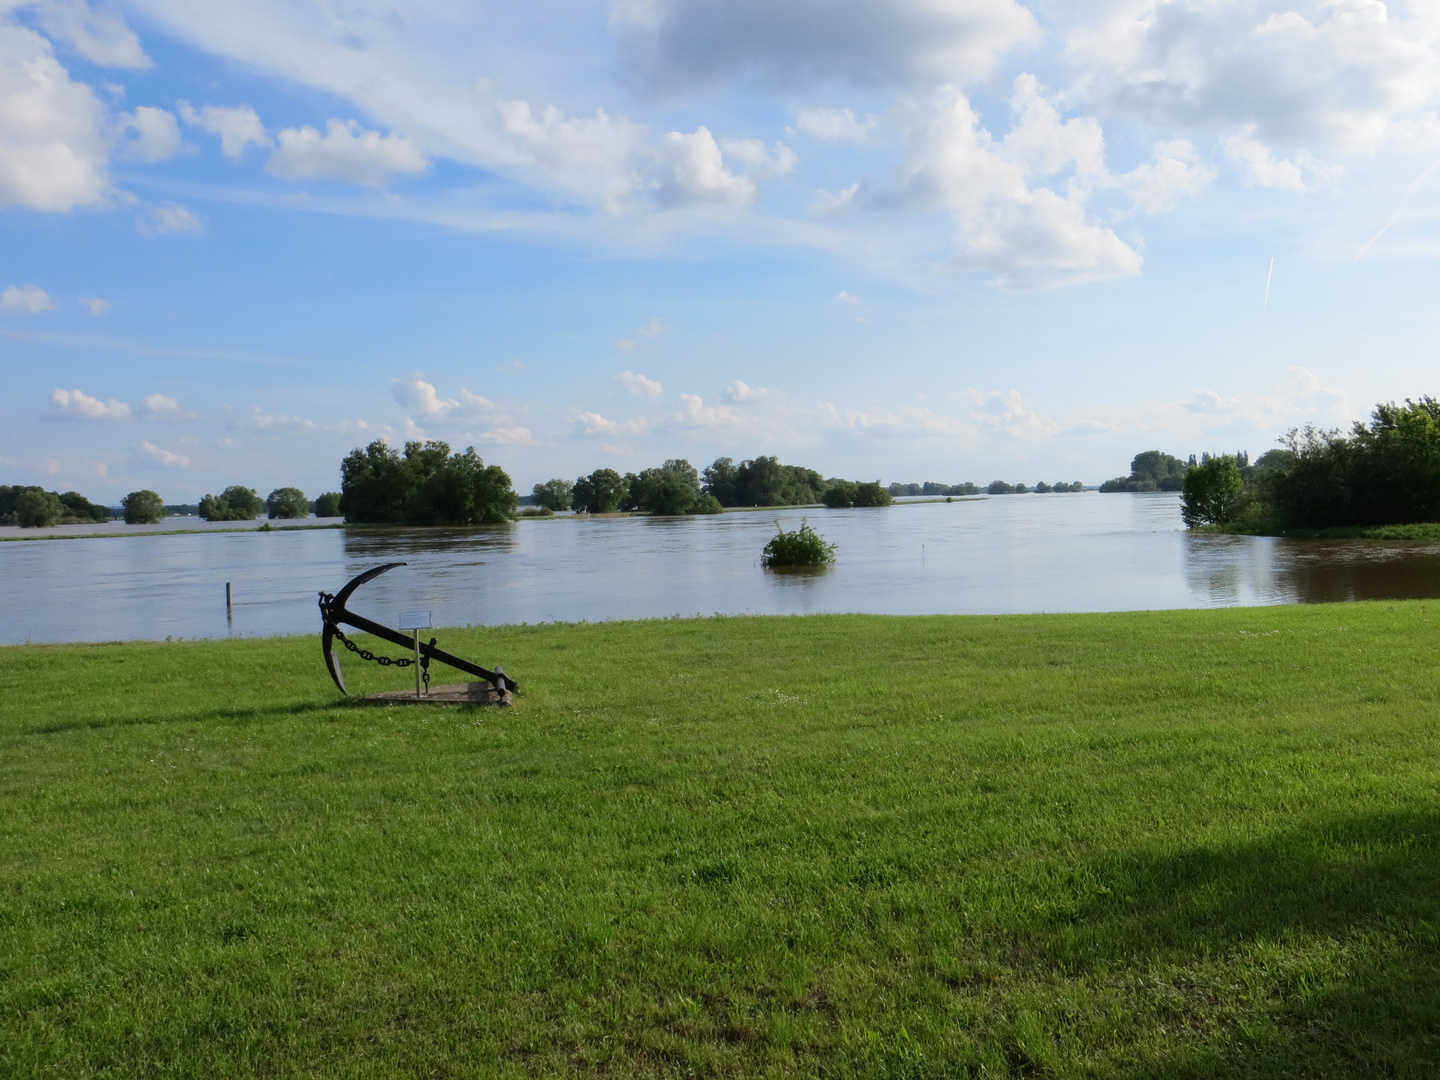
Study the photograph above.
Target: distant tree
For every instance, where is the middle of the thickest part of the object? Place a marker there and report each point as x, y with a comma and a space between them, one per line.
718, 480
143, 508
78, 506
872, 494
1042, 488
673, 488
898, 489
553, 494
599, 493
1166, 472
328, 505
1021, 489
426, 485
707, 504
235, 503
1212, 492
1000, 487
287, 502
839, 494
38, 509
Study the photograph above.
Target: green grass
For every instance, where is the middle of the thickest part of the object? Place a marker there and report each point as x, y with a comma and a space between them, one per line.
1190, 844
1428, 531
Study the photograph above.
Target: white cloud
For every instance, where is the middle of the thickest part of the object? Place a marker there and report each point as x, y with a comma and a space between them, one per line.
654, 328
274, 423
740, 393
592, 423
1261, 167
1173, 172
1299, 400
158, 405
626, 344
589, 156
760, 160
169, 218
237, 127
639, 385
30, 299
1029, 238
100, 36
94, 305
673, 45
828, 202
695, 172
421, 400
508, 436
53, 150
834, 125
843, 297
149, 134
694, 413
78, 405
345, 152
154, 455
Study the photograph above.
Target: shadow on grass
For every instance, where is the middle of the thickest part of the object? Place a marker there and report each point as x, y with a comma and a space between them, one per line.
97, 723
1334, 931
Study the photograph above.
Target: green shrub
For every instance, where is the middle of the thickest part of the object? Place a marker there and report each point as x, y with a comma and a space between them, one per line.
235, 503
1212, 492
872, 495
803, 547
840, 495
707, 504
143, 508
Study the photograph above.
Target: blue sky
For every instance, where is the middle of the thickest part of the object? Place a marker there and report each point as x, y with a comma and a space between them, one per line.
895, 239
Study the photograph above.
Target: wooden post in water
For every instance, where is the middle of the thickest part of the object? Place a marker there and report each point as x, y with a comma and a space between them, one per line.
227, 598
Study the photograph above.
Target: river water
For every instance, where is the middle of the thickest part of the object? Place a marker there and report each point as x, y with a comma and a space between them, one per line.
1019, 553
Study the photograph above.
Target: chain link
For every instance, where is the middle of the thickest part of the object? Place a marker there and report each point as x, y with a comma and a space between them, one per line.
383, 661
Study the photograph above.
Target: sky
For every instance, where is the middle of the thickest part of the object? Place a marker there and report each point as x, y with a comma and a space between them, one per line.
903, 240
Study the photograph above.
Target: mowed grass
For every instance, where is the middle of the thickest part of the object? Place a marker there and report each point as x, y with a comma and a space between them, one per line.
1182, 844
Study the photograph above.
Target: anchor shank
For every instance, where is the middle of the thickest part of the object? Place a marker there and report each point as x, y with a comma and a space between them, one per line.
380, 630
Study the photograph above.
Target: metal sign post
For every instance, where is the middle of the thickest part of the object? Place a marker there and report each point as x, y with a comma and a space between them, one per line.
415, 621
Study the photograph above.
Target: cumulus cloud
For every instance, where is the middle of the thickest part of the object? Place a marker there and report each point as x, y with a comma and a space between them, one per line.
53, 147
673, 45
1173, 172
585, 155
741, 393
1302, 72
1298, 400
833, 125
237, 127
639, 385
94, 305
1027, 237
694, 413
592, 423
78, 405
654, 328
30, 299
149, 134
169, 217
423, 402
166, 459
345, 152
1260, 166
99, 35
843, 297
158, 405
760, 160
696, 173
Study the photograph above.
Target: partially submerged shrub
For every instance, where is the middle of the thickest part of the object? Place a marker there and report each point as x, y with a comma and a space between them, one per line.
803, 547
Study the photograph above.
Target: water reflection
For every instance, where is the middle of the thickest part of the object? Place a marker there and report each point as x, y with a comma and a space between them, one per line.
1085, 552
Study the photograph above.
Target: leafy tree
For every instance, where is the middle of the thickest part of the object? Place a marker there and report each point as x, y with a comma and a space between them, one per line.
143, 508
839, 495
707, 504
328, 505
718, 480
287, 502
599, 493
426, 485
762, 481
1212, 492
554, 494
1042, 488
78, 506
38, 509
673, 488
1166, 472
872, 494
897, 489
1000, 487
235, 503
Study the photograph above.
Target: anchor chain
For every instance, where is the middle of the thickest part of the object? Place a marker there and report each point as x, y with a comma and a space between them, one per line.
383, 661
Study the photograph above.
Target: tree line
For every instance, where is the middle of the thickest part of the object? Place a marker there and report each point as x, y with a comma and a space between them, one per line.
34, 507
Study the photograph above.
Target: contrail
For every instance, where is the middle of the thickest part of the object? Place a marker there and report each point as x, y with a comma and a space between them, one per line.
1404, 205
1268, 276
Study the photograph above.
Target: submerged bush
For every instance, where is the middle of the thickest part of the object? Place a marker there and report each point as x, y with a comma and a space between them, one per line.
803, 547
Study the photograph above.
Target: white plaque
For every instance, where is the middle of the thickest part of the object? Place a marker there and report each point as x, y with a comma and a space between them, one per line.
414, 620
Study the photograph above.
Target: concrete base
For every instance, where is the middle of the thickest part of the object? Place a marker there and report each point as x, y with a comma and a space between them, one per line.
475, 693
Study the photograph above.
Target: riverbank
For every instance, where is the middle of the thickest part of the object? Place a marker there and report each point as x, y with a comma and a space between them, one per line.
1425, 531
1192, 844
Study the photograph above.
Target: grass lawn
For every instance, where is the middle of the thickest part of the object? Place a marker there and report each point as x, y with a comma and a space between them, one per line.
1181, 844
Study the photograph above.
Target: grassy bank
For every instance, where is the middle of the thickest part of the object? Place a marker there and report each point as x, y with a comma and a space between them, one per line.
1427, 531
1195, 844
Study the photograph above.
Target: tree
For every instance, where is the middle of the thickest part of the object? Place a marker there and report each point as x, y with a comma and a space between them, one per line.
872, 494
426, 485
1000, 487
235, 503
328, 505
1042, 488
554, 494
673, 488
287, 502
38, 509
143, 508
77, 505
719, 481
1212, 492
598, 493
761, 481
839, 495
